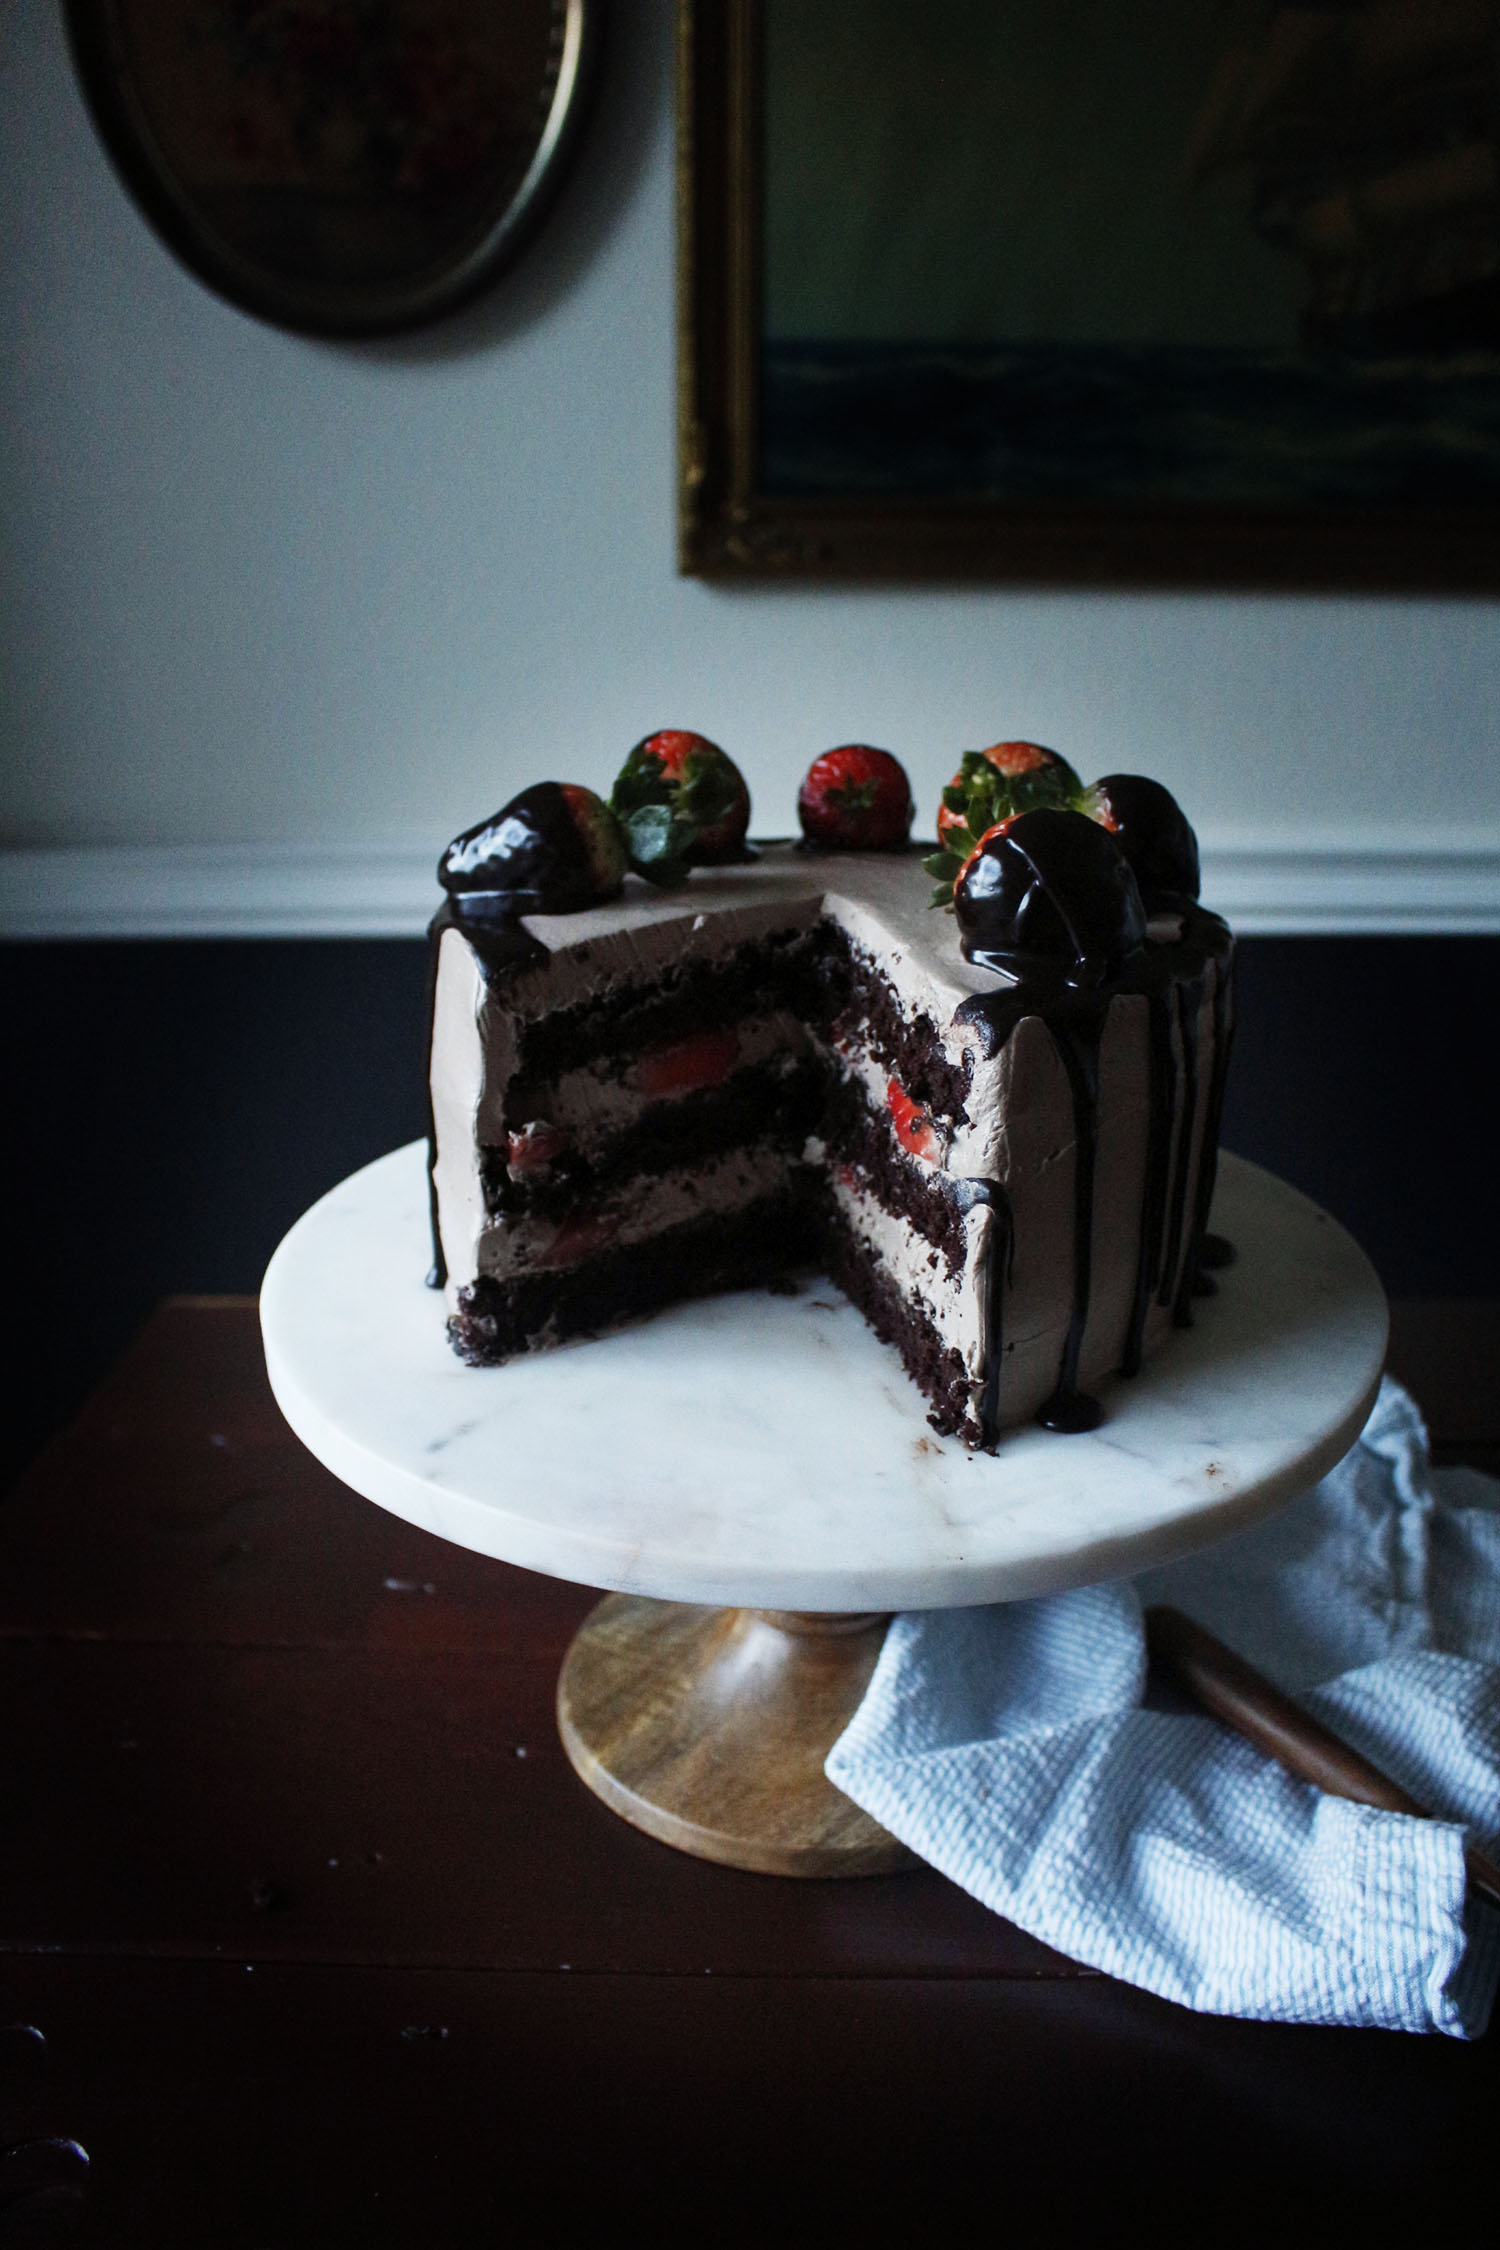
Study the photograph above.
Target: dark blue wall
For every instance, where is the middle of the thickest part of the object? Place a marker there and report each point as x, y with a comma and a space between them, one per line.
172, 1107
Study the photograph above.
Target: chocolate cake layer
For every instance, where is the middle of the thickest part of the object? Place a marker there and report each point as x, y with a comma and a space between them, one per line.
870, 1015
862, 1139
934, 1366
496, 1320
818, 976
695, 994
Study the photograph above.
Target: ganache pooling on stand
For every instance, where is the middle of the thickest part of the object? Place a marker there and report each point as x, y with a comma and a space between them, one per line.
646, 1086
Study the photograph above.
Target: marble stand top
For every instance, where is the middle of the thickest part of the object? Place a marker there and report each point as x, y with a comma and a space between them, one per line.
770, 1451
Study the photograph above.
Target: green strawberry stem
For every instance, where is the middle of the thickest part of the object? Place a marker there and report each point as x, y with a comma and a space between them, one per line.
660, 845
984, 796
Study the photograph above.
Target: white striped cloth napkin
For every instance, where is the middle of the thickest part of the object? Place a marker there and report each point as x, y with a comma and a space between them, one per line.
1009, 1747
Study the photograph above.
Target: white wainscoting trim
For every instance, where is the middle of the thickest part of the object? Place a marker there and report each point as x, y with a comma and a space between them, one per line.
298, 891
217, 890
1281, 891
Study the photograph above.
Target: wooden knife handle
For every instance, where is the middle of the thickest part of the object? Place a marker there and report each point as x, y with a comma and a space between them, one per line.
1201, 1667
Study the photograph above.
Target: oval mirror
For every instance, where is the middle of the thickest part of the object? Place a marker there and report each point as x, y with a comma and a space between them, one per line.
343, 167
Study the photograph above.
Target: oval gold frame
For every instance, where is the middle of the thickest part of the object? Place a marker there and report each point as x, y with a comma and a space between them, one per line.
435, 285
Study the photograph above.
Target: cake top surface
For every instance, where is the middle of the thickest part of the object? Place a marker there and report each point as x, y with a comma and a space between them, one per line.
881, 899
781, 886
1051, 890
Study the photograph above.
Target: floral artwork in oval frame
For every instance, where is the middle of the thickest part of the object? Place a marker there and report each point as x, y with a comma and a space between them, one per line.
339, 167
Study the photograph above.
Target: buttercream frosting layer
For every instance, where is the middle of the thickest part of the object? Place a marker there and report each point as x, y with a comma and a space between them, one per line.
631, 1212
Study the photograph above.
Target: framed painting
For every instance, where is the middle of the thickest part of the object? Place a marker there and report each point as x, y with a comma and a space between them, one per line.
1186, 292
343, 167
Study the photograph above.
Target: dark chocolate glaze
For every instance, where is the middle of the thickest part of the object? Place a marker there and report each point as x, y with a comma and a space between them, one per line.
1172, 979
1188, 1001
1051, 901
1156, 1201
1199, 1238
1152, 832
1078, 1033
531, 857
1050, 897
437, 1272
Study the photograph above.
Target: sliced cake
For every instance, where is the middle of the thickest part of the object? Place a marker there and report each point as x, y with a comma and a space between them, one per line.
995, 1127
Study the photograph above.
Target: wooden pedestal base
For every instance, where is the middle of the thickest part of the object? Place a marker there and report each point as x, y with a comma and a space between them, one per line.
708, 1728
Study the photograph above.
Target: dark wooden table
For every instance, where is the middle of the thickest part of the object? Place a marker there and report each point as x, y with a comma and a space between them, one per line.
309, 1936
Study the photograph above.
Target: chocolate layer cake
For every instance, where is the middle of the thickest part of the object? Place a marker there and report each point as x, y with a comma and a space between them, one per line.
791, 1060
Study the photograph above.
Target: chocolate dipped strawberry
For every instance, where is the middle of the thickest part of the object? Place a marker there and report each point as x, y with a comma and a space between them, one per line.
1153, 832
992, 786
855, 799
1049, 895
554, 848
682, 804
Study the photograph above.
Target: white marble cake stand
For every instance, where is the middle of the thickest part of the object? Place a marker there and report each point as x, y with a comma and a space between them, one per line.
768, 1452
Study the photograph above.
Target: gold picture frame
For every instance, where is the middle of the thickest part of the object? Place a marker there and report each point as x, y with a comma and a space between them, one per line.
736, 520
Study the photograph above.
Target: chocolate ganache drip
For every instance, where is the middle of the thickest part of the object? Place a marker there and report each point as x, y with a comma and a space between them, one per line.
1059, 904
1050, 901
1049, 895
553, 849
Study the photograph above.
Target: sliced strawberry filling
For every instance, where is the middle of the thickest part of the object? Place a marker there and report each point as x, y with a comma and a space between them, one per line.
915, 1129
579, 1236
688, 1065
533, 1148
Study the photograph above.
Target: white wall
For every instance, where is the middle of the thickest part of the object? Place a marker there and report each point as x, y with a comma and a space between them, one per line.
266, 592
